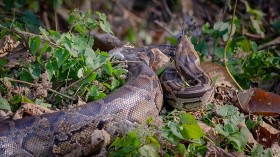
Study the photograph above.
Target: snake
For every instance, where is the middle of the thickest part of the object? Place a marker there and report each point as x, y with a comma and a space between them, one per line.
76, 131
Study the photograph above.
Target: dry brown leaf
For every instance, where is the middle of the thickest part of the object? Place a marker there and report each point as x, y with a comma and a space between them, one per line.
215, 70
31, 109
259, 102
265, 137
251, 139
214, 151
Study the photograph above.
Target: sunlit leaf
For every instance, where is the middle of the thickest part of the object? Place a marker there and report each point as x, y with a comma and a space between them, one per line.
4, 104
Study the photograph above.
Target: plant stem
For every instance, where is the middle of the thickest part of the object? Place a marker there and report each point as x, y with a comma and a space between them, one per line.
94, 70
35, 85
227, 43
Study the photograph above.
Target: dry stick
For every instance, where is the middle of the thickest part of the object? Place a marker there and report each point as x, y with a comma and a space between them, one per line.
227, 43
94, 70
164, 27
35, 85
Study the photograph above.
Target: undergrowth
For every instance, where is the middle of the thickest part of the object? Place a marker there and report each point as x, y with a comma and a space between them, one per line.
65, 62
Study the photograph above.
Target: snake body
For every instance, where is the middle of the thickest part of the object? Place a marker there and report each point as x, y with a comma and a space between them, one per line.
70, 132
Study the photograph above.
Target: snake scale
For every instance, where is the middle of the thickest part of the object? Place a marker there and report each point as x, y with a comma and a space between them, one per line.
71, 132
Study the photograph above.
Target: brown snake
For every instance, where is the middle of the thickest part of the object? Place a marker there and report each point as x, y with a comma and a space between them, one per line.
70, 132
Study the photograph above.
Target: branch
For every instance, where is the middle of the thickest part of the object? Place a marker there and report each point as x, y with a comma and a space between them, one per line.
227, 43
35, 85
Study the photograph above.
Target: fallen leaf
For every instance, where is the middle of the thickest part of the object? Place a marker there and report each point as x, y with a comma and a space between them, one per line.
259, 102
213, 151
215, 70
31, 109
265, 137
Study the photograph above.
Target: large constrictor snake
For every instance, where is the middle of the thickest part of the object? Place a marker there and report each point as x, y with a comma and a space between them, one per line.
71, 132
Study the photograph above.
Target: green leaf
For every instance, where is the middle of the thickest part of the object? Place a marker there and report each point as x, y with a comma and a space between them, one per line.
105, 26
90, 57
226, 110
50, 69
254, 46
15, 102
134, 138
195, 150
131, 37
25, 99
250, 123
45, 48
258, 151
175, 129
81, 29
3, 61
219, 52
201, 47
93, 91
4, 104
152, 139
108, 68
100, 96
239, 139
230, 128
44, 33
116, 143
90, 78
149, 150
68, 65
206, 28
182, 149
260, 120
220, 130
115, 84
55, 35
102, 16
191, 129
34, 44
107, 85
34, 70
224, 28
80, 73
61, 55
217, 25
25, 76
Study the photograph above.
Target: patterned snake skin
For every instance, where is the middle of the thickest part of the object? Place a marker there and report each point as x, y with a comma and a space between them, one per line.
70, 132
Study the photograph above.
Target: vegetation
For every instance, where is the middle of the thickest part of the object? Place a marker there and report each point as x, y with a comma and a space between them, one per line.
71, 63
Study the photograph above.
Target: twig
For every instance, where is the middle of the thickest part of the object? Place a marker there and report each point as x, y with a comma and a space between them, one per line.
56, 20
23, 33
127, 12
164, 27
227, 43
35, 85
94, 70
47, 22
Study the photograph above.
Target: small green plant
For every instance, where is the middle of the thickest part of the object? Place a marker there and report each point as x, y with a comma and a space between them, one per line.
236, 136
246, 62
71, 62
183, 128
180, 135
